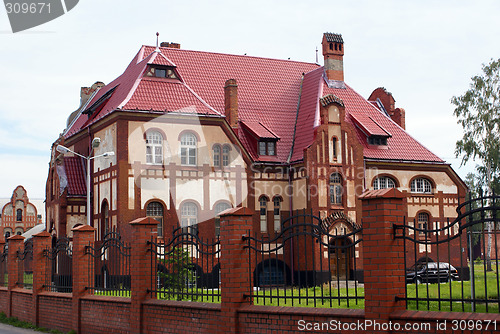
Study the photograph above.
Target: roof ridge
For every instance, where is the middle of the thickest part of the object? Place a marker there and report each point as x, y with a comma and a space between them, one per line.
236, 55
200, 99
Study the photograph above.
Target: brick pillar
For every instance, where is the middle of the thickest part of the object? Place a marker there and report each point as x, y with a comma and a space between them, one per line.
82, 236
41, 241
2, 273
383, 256
16, 244
141, 274
234, 266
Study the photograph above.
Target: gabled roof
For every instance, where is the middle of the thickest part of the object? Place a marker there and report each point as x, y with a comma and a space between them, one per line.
259, 130
276, 99
367, 120
75, 175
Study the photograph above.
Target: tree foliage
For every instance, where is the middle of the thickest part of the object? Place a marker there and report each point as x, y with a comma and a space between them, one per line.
478, 111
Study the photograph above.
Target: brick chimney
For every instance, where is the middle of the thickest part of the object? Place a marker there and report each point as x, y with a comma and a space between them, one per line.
333, 52
170, 45
231, 102
382, 96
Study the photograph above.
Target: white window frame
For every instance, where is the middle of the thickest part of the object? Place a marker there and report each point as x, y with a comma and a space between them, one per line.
263, 201
421, 185
383, 182
155, 210
189, 217
336, 189
154, 148
189, 144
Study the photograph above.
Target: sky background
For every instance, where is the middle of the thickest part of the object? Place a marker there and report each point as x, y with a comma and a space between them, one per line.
423, 52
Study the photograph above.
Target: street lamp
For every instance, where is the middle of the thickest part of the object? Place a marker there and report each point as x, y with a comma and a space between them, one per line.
95, 143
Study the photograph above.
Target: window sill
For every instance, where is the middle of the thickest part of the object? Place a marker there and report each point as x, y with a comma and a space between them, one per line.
422, 194
336, 207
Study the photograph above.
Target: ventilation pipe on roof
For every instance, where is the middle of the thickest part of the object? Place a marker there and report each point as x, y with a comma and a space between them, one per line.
231, 102
333, 51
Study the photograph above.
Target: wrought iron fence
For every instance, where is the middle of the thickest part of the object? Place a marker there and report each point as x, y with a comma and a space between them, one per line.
4, 275
109, 266
186, 267
311, 261
448, 267
25, 258
59, 264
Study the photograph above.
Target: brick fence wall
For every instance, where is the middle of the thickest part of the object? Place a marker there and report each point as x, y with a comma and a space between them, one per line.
85, 313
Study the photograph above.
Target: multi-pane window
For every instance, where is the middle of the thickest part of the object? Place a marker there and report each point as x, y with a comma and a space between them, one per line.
267, 147
217, 156
155, 211
217, 210
189, 217
421, 185
336, 189
423, 222
277, 213
383, 182
154, 148
263, 214
188, 149
225, 155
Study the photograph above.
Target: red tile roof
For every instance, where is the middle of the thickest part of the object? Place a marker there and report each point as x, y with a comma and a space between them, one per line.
75, 174
268, 94
259, 130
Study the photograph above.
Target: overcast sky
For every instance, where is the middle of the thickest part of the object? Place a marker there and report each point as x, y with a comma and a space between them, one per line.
424, 52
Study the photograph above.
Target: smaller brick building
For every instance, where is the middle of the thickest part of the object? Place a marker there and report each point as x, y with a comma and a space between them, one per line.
19, 215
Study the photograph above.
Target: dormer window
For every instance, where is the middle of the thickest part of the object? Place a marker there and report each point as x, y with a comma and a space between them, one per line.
377, 140
167, 72
267, 147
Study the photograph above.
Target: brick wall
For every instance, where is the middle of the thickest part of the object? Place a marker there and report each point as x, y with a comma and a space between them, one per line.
161, 316
23, 302
142, 313
105, 315
55, 311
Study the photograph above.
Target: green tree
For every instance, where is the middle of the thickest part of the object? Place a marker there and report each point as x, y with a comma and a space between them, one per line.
181, 274
478, 111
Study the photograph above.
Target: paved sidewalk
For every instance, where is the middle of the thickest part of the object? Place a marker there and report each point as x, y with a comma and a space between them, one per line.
7, 329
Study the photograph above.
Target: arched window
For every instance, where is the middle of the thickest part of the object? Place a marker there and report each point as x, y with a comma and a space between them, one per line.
336, 189
218, 209
104, 219
423, 222
277, 213
217, 155
155, 211
383, 182
188, 149
154, 148
19, 215
7, 235
263, 214
189, 217
225, 155
334, 148
421, 185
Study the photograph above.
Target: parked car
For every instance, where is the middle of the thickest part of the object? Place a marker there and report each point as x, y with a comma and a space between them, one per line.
429, 273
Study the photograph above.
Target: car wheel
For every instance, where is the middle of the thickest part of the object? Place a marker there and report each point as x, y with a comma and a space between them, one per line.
418, 280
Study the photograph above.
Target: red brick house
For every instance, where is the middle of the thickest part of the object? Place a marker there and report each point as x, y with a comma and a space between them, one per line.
197, 132
19, 215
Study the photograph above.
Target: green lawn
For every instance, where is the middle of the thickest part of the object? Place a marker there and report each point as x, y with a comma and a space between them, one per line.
486, 289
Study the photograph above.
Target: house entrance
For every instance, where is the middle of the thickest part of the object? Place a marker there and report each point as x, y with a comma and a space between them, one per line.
340, 257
